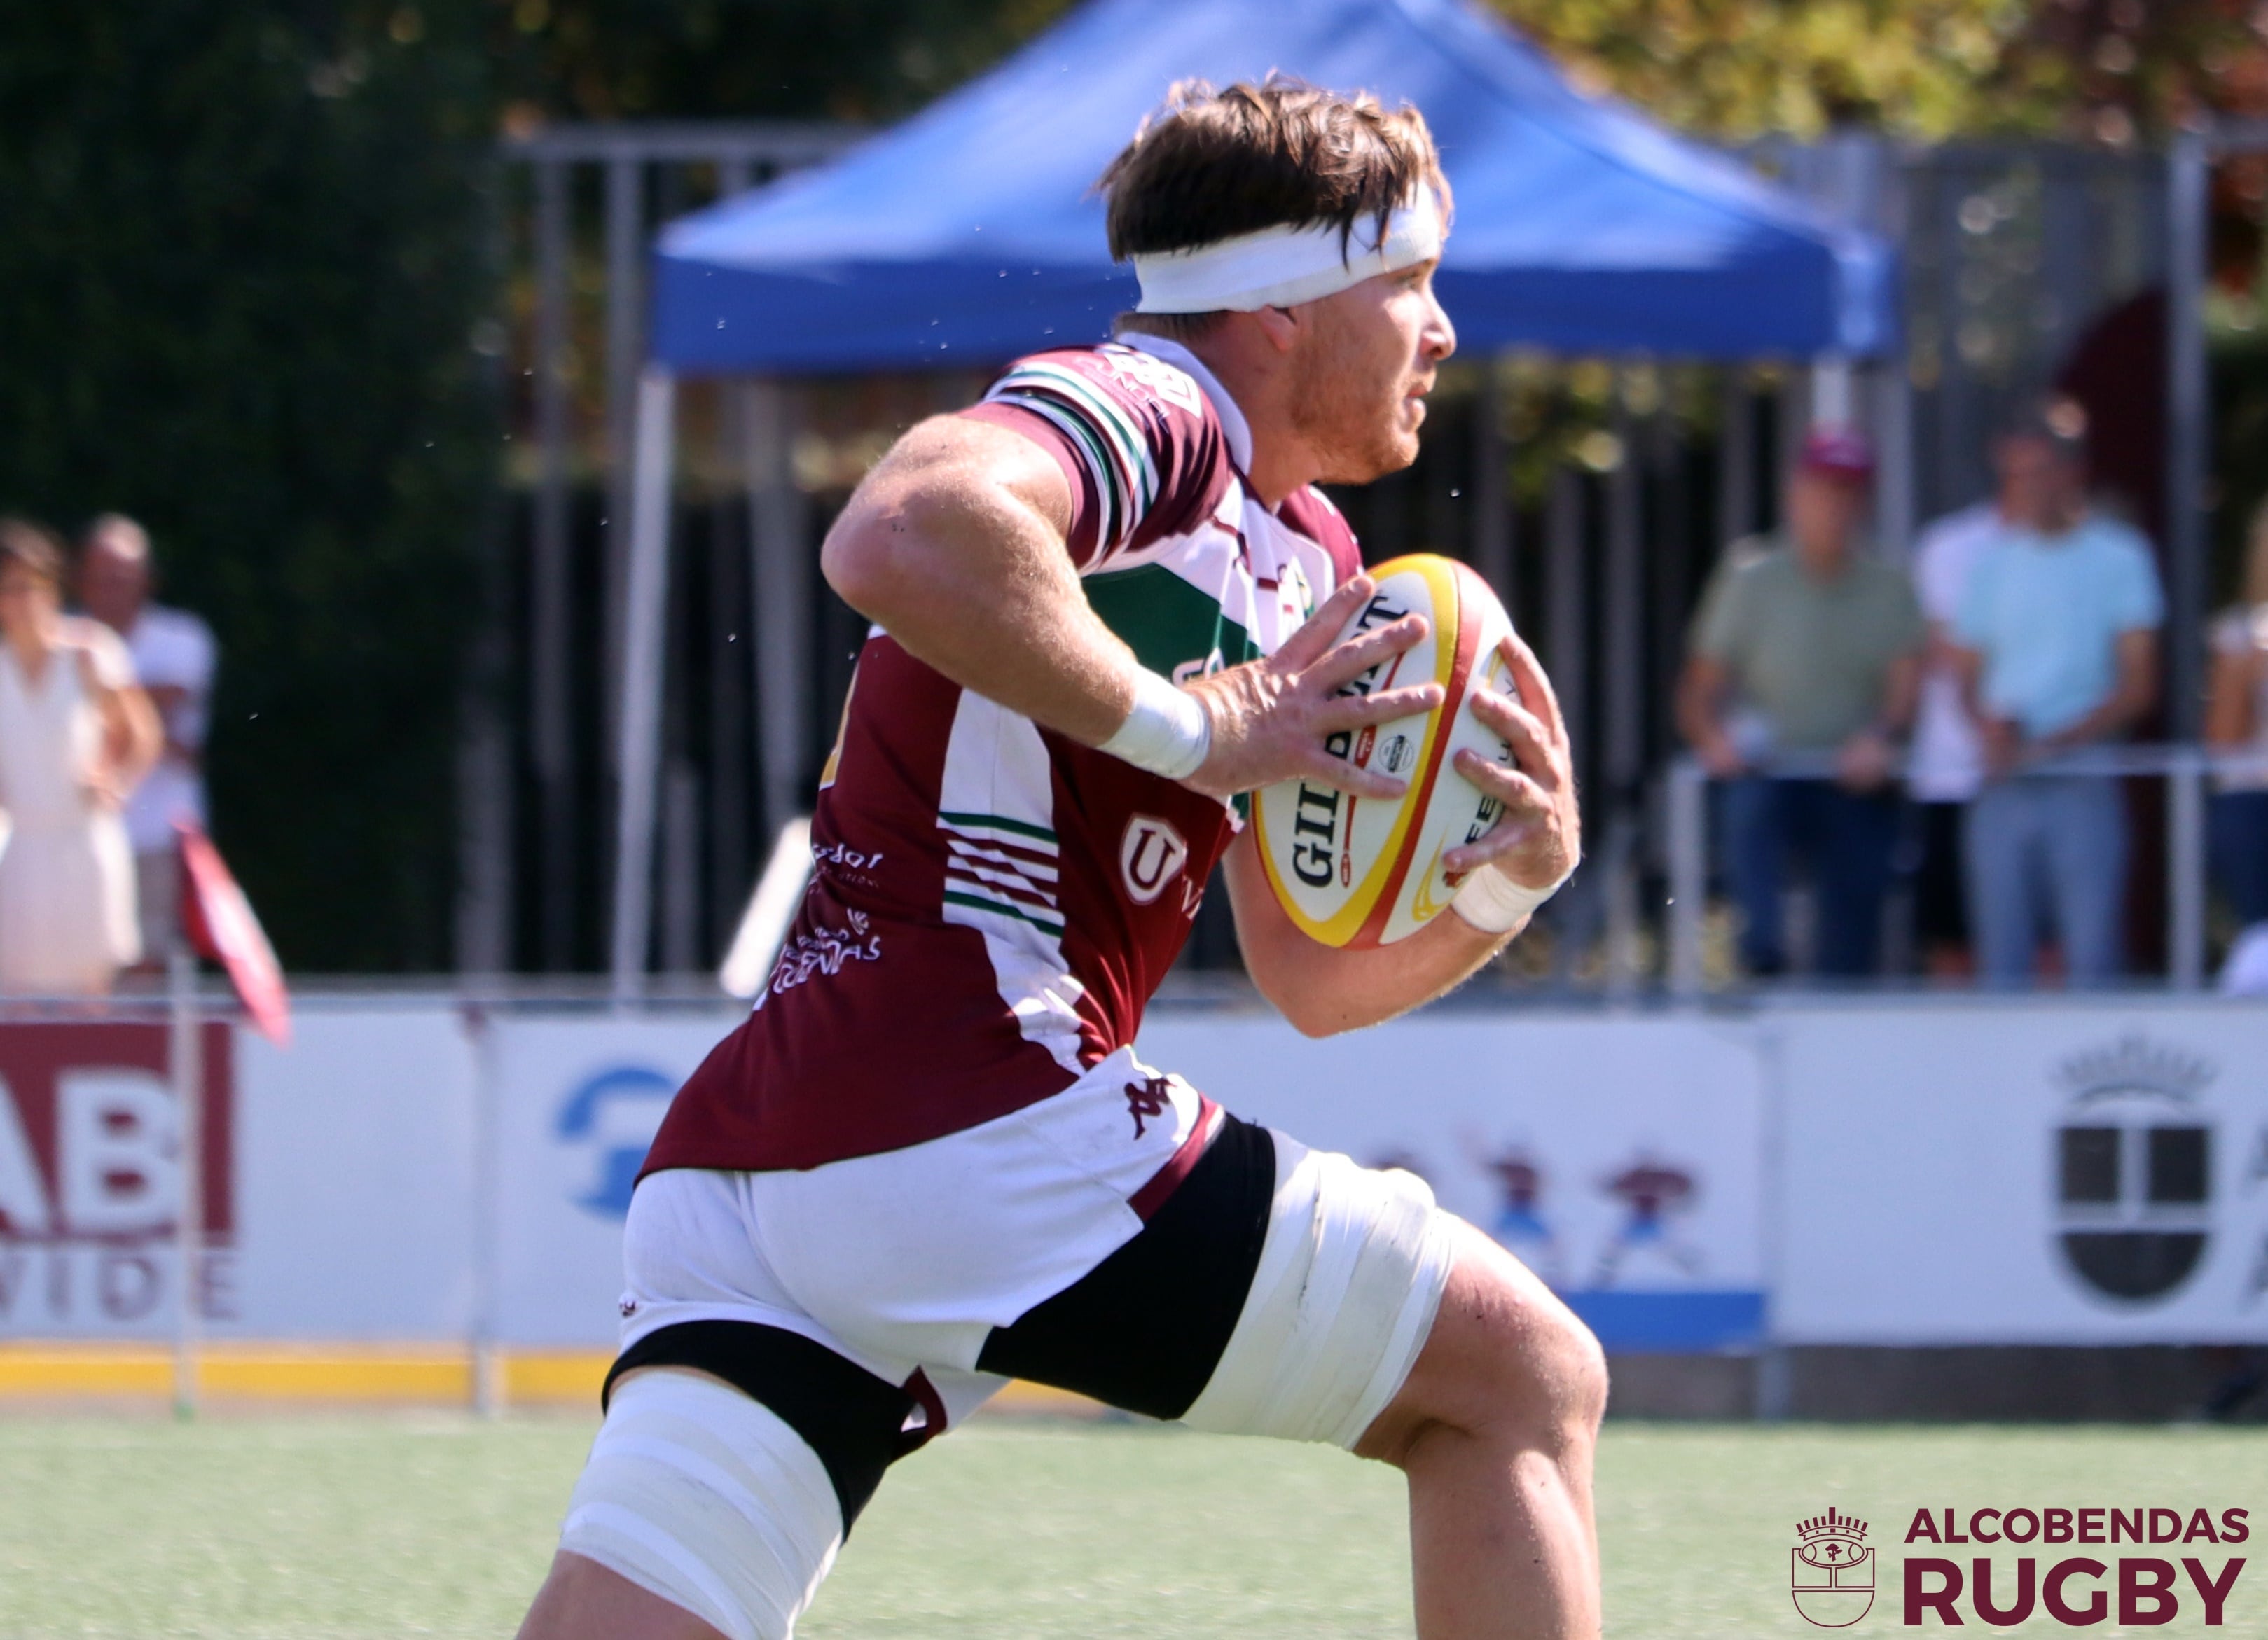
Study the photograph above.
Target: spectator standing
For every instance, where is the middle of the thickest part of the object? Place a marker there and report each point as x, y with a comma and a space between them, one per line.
1947, 764
76, 734
2236, 721
2059, 633
173, 656
1819, 646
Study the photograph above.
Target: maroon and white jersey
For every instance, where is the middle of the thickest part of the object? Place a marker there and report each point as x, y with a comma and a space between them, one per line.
994, 904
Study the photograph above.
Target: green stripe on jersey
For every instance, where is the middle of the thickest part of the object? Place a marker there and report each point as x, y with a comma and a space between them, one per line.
1165, 620
997, 822
1107, 413
1004, 910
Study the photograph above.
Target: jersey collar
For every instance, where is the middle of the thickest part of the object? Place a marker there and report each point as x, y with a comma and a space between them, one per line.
1232, 424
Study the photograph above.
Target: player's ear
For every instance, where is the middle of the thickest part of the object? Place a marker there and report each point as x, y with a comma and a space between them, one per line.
1280, 325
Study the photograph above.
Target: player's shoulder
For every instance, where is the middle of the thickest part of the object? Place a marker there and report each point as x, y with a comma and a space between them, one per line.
1111, 374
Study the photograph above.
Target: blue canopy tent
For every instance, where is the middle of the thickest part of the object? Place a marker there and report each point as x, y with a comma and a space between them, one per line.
971, 233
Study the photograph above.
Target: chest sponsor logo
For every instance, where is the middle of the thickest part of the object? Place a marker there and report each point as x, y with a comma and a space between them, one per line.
1150, 856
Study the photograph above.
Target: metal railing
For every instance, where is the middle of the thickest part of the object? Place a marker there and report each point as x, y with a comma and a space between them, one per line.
2184, 768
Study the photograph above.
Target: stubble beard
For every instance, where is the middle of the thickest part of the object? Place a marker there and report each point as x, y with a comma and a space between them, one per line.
1351, 424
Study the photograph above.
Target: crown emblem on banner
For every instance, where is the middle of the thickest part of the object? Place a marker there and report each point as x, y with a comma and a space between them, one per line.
1831, 1526
2136, 1065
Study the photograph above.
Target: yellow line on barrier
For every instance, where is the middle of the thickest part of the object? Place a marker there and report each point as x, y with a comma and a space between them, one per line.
348, 1374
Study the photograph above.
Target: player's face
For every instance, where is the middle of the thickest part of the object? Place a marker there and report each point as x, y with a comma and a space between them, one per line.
1364, 364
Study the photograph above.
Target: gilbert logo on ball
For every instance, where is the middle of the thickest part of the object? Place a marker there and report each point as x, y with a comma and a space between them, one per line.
1364, 872
1831, 1573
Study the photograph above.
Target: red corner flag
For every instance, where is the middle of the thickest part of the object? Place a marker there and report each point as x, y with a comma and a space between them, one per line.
218, 921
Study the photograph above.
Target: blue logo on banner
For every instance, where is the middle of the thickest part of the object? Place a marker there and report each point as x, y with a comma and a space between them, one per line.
616, 1111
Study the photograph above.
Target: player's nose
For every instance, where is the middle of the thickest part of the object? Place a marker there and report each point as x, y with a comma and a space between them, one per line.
1438, 339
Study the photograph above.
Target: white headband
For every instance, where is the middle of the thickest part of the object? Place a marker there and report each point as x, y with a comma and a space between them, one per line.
1283, 267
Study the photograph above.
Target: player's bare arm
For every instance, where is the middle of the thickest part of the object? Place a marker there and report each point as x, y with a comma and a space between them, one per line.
1324, 990
954, 545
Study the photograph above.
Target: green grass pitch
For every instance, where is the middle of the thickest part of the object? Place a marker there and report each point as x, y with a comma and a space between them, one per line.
337, 1528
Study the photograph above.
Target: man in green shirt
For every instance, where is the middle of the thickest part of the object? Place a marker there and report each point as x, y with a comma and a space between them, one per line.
1805, 645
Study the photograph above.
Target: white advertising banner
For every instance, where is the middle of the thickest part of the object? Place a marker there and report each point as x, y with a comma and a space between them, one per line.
1620, 1155
578, 1102
2074, 1171
337, 1177
1910, 1173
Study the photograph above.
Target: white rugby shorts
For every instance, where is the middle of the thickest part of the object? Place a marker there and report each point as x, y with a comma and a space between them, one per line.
1265, 1289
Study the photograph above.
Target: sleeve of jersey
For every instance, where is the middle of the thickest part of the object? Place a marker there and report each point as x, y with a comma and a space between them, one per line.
1140, 467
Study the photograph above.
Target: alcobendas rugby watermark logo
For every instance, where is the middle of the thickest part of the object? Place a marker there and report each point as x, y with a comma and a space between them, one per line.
1832, 1570
2026, 1568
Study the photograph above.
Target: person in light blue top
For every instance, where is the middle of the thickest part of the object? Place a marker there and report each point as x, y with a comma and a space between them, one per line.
2059, 627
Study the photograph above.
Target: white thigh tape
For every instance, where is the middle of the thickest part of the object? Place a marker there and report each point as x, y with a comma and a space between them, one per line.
1349, 1276
699, 1495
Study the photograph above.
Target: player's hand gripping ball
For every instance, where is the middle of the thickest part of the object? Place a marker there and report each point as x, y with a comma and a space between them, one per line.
1361, 872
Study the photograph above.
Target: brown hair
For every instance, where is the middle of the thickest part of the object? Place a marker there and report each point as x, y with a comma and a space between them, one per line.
34, 547
1212, 165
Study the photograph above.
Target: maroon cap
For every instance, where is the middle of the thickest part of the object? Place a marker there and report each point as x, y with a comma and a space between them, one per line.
1839, 452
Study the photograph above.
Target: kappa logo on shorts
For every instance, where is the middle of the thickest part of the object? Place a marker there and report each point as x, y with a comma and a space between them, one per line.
1831, 1574
1153, 1096
1150, 856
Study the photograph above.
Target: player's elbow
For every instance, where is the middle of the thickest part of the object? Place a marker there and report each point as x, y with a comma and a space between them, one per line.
1316, 1016
857, 561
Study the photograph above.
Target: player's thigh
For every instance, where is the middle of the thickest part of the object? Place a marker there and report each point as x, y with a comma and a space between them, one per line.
583, 1601
1504, 1359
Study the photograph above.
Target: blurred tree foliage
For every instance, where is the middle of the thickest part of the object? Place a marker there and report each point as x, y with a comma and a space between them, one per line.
862, 60
2110, 70
239, 273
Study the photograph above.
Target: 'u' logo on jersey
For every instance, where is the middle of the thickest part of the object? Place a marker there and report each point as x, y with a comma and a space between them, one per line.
1150, 856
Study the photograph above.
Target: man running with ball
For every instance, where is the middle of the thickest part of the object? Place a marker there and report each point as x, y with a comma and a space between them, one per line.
1105, 604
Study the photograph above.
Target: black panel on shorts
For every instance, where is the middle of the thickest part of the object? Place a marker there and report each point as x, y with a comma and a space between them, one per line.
1145, 1329
854, 1421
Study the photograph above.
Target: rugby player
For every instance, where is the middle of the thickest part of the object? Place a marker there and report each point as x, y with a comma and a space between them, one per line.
1105, 604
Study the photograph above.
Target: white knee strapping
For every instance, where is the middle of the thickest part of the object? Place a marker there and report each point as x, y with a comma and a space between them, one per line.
704, 1497
1349, 1276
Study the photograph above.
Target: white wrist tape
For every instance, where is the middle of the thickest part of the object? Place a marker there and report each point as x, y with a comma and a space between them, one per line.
1167, 732
1494, 903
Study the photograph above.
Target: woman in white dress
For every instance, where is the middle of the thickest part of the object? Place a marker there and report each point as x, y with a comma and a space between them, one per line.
76, 734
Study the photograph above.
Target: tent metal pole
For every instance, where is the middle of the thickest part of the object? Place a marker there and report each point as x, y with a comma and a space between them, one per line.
1736, 460
1625, 682
781, 570
639, 749
552, 738
1565, 606
625, 243
1895, 505
2188, 426
732, 636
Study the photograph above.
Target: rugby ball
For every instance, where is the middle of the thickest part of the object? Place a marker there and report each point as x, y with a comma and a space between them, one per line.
1361, 871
